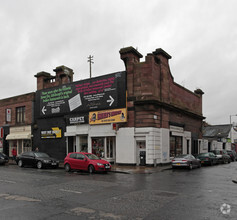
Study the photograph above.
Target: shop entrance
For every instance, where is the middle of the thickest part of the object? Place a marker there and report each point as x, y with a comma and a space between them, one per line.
141, 152
20, 146
104, 147
78, 143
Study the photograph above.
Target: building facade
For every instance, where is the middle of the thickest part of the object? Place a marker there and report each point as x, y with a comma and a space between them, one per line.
16, 123
218, 137
138, 116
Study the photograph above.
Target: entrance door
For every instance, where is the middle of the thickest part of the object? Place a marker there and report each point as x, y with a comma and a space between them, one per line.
141, 152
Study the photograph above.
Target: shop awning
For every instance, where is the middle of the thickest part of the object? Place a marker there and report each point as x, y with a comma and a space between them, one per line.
19, 135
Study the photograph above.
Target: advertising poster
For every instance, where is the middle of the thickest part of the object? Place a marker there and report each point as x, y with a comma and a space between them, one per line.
105, 92
109, 116
53, 133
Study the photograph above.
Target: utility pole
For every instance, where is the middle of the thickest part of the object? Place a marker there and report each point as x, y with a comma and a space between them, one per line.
90, 60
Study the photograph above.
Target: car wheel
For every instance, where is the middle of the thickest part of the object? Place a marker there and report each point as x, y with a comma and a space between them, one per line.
91, 169
20, 163
39, 164
67, 167
190, 166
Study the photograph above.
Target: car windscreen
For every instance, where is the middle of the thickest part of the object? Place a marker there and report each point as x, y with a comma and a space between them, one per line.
40, 154
92, 157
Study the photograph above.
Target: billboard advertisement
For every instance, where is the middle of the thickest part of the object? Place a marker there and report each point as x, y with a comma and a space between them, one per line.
104, 92
109, 116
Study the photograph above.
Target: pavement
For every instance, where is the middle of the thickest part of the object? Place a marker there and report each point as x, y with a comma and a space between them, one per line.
126, 169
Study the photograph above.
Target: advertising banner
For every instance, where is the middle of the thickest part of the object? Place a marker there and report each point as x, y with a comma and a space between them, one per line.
109, 116
53, 133
105, 92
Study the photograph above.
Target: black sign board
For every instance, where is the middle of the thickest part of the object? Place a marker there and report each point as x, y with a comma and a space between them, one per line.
99, 93
77, 119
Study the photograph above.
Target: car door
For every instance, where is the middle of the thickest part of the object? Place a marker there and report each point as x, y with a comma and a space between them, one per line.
26, 158
81, 161
31, 159
213, 157
73, 161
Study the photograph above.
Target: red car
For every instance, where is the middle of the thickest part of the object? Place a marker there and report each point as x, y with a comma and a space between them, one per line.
85, 161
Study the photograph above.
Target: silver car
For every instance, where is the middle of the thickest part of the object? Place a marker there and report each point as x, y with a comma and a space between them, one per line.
186, 160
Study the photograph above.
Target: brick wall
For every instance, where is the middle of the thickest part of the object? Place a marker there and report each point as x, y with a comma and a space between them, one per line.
154, 99
14, 102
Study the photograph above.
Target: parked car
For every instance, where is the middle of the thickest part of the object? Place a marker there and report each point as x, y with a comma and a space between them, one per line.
208, 158
85, 161
186, 160
232, 154
222, 156
36, 159
3, 158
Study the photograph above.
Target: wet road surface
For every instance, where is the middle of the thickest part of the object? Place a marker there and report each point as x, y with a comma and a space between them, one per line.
205, 193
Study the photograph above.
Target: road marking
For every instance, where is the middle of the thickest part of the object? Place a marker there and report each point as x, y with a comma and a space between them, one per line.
70, 191
7, 181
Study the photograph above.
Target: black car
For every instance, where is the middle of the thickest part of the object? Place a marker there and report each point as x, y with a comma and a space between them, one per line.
232, 155
3, 158
208, 158
36, 159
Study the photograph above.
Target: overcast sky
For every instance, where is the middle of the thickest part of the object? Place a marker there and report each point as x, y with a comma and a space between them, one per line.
201, 37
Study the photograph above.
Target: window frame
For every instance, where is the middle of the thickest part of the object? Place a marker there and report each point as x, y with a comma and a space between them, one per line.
20, 114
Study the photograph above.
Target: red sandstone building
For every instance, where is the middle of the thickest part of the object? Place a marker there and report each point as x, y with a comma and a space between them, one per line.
147, 120
16, 116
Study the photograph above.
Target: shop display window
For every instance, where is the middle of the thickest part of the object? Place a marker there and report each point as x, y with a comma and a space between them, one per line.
98, 147
176, 146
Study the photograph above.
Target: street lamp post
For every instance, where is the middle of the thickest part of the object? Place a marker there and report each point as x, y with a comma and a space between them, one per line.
231, 129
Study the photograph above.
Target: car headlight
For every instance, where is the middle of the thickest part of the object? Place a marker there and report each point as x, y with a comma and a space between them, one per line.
100, 164
46, 161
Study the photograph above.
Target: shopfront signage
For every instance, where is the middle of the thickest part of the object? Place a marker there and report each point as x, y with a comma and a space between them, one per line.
79, 119
105, 92
52, 133
108, 116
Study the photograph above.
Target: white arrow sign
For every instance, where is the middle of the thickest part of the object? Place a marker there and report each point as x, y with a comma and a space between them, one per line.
111, 100
44, 110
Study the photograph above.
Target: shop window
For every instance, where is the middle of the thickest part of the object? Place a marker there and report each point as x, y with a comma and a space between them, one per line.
27, 145
98, 147
20, 115
176, 147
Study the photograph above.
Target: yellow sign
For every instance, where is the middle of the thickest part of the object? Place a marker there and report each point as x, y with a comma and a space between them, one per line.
54, 133
108, 116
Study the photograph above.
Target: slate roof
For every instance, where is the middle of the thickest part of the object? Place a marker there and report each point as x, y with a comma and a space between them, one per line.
217, 131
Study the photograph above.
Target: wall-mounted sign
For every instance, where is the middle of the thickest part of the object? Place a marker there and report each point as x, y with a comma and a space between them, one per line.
77, 119
109, 116
55, 132
8, 115
105, 92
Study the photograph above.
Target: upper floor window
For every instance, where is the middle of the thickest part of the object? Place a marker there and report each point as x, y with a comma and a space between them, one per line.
20, 115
